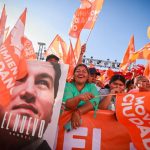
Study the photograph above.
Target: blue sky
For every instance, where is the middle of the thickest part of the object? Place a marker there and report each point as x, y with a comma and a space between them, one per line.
118, 20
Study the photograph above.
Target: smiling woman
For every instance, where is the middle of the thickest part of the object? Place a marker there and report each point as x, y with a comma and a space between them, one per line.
79, 95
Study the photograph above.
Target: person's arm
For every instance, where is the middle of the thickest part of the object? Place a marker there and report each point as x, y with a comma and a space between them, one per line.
106, 101
83, 49
76, 115
88, 106
72, 103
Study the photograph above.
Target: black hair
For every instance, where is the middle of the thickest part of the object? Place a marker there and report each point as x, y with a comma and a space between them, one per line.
80, 66
107, 86
117, 77
51, 56
129, 82
57, 69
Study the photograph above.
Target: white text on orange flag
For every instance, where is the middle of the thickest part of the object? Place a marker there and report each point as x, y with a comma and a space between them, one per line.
131, 112
10, 56
101, 133
28, 48
95, 10
80, 18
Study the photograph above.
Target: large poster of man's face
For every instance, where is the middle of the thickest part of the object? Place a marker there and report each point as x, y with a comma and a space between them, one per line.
30, 119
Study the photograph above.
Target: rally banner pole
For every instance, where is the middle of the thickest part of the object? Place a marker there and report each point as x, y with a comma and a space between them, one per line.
88, 36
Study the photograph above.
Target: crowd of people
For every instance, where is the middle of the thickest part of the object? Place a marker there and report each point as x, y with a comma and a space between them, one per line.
86, 92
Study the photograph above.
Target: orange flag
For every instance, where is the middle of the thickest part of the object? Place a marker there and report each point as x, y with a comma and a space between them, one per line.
6, 33
143, 53
79, 20
2, 25
71, 61
101, 133
125, 61
28, 48
109, 73
106, 76
95, 9
147, 70
58, 47
13, 65
132, 113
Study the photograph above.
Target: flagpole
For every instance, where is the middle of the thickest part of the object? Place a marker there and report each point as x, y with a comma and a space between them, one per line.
88, 36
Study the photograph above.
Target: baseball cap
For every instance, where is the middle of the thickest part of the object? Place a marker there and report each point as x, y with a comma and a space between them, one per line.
93, 71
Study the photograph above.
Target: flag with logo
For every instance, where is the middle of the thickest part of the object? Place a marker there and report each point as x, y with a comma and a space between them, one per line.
12, 62
28, 48
95, 10
79, 20
133, 114
101, 133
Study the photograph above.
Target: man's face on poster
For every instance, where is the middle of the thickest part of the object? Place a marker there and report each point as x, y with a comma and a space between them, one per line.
33, 95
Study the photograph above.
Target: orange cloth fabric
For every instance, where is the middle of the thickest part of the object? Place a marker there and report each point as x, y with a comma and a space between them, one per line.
103, 132
133, 114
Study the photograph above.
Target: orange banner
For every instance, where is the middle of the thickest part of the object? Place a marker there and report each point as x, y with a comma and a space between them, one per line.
130, 49
79, 20
103, 132
96, 8
28, 48
143, 53
12, 62
71, 61
131, 112
58, 47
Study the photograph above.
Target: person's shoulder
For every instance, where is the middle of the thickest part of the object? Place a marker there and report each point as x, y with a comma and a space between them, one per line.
69, 83
90, 85
133, 91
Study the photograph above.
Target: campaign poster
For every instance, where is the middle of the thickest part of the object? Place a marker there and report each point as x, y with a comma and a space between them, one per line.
29, 121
